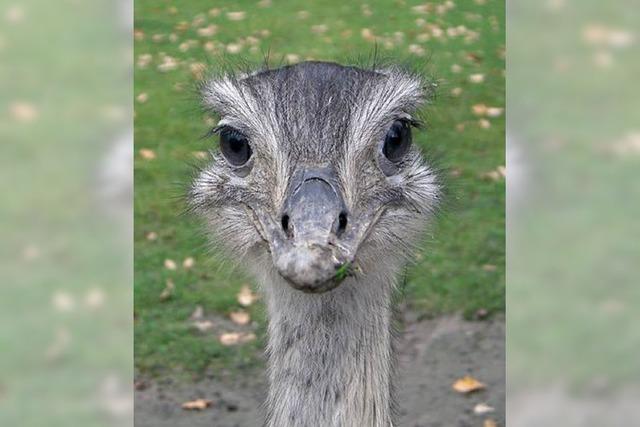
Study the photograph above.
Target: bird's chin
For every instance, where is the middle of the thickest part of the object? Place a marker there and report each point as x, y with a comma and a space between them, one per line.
320, 288
313, 269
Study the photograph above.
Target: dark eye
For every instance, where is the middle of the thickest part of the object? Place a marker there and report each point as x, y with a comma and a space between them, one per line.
397, 141
235, 147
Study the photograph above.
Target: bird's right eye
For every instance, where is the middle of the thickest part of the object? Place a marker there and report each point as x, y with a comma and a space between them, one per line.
234, 147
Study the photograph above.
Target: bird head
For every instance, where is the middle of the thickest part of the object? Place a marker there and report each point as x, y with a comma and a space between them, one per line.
316, 177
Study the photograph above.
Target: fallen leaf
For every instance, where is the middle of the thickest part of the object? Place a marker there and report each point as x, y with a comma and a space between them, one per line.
467, 384
167, 292
292, 58
367, 34
234, 338
200, 154
203, 325
416, 49
489, 423
63, 301
142, 98
170, 264
246, 297
319, 29
23, 111
152, 235
236, 16
479, 109
240, 317
484, 123
302, 14
497, 174
94, 298
208, 31
489, 267
168, 63
494, 111
188, 263
456, 91
197, 313
198, 404
476, 78
234, 48
214, 12
147, 154
422, 8
482, 408
455, 68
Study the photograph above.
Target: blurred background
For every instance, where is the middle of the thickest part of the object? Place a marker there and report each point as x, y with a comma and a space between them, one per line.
65, 124
198, 332
66, 329
573, 150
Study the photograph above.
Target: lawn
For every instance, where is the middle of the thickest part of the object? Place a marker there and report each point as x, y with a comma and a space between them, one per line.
461, 44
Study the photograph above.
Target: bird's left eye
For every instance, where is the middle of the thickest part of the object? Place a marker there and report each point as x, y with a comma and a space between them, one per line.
235, 147
397, 141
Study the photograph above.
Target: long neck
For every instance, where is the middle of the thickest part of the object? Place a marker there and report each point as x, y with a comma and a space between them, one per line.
330, 359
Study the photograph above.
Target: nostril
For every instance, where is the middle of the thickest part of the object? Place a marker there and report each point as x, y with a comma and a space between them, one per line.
342, 222
285, 224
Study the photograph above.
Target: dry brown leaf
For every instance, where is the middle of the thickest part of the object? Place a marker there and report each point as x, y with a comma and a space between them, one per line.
479, 109
203, 325
234, 338
198, 404
489, 267
147, 154
484, 123
197, 313
23, 111
197, 70
292, 58
208, 31
494, 111
240, 317
168, 64
167, 292
94, 298
489, 423
482, 408
319, 29
234, 48
367, 34
467, 384
236, 16
63, 301
152, 235
476, 78
188, 263
170, 264
142, 98
246, 297
200, 155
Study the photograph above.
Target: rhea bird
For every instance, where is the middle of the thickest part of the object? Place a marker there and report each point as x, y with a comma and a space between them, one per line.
318, 190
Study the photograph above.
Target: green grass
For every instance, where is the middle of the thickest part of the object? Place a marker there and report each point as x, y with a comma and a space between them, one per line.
461, 268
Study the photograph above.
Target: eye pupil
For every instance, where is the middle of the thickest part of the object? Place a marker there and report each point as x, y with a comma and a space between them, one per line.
235, 147
397, 141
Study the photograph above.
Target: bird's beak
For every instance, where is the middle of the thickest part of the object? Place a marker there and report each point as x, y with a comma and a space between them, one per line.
314, 220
